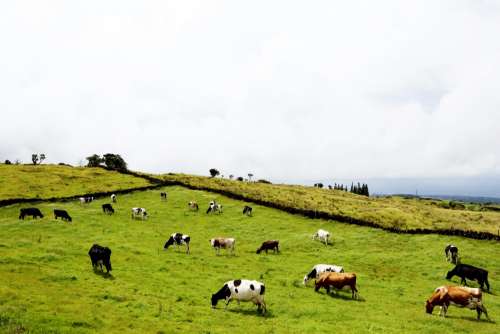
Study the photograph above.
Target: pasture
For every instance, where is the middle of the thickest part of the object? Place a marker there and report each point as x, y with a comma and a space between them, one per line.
46, 181
47, 284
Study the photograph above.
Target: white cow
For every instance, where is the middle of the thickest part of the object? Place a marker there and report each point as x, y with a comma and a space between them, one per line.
322, 235
113, 198
322, 268
139, 213
219, 242
86, 200
242, 290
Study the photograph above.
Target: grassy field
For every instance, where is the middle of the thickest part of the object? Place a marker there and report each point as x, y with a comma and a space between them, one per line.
47, 284
391, 212
46, 181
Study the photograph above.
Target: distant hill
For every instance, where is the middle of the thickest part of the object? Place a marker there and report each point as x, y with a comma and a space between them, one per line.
460, 198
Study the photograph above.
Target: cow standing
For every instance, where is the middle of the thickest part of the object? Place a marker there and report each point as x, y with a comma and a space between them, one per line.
269, 244
467, 271
214, 207
63, 214
139, 213
100, 255
86, 200
247, 210
226, 243
107, 208
113, 198
451, 253
178, 239
242, 290
318, 269
33, 212
444, 296
193, 206
322, 235
163, 196
337, 280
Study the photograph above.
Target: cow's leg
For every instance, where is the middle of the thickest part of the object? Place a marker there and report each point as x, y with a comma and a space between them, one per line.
483, 309
463, 281
228, 299
266, 250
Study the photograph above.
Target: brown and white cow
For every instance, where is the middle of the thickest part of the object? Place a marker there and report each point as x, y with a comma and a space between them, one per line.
220, 242
193, 206
338, 281
460, 296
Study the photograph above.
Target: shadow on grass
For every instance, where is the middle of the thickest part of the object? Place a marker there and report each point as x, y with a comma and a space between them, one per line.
472, 318
249, 312
344, 296
104, 275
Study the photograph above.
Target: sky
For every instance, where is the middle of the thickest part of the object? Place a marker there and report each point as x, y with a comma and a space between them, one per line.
285, 90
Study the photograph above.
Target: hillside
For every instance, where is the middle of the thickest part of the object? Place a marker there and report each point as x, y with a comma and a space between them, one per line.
394, 213
47, 284
47, 181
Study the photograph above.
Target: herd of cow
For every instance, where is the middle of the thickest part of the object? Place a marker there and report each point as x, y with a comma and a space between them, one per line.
325, 275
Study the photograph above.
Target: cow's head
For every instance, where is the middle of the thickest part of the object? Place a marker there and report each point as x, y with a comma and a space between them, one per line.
169, 242
429, 307
449, 275
214, 300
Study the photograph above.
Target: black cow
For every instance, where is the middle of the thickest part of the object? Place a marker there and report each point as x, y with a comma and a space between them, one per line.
34, 212
467, 271
100, 255
163, 196
107, 208
247, 210
63, 214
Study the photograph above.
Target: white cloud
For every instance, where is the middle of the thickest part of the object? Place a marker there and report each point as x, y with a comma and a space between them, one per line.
282, 89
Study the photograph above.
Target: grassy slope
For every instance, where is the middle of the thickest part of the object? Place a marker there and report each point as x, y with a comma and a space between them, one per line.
47, 285
387, 212
45, 181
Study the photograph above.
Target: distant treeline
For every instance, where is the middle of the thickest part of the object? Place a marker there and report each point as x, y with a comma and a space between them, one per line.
359, 189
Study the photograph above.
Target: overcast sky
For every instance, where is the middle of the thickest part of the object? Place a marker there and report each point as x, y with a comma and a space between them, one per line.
296, 90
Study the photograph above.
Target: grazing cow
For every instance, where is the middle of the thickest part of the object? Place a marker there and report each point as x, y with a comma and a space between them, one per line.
451, 252
34, 212
139, 213
322, 235
193, 206
338, 281
100, 255
86, 200
247, 210
318, 269
227, 243
214, 207
63, 214
242, 290
467, 271
178, 239
163, 196
107, 208
113, 198
471, 298
270, 244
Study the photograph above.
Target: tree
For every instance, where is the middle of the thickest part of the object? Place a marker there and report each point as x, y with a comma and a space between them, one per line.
250, 175
231, 176
94, 161
7, 162
34, 158
114, 161
239, 178
42, 158
214, 172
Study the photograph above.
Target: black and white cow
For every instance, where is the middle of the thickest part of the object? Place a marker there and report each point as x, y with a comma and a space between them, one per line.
247, 210
242, 290
107, 208
113, 198
34, 212
139, 213
86, 200
178, 239
451, 253
318, 269
100, 256
163, 196
63, 214
214, 207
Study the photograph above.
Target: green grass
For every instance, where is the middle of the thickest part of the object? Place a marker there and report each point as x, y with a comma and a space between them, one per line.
390, 212
46, 181
47, 284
